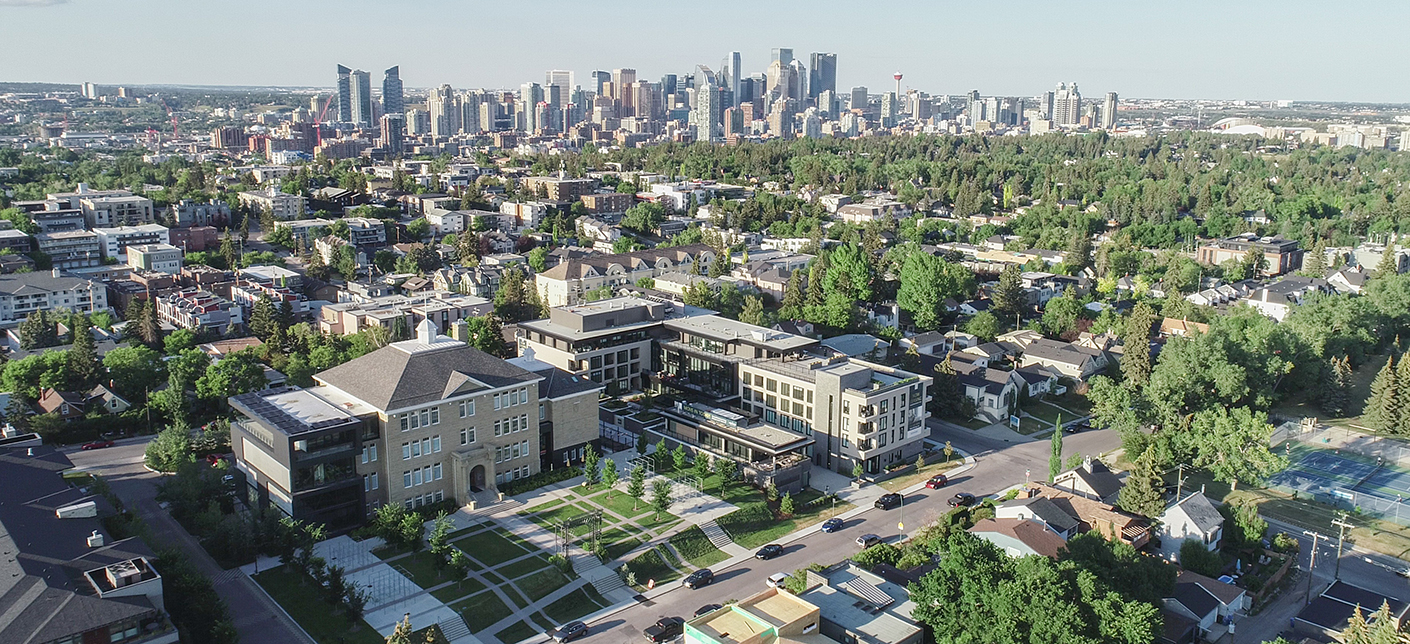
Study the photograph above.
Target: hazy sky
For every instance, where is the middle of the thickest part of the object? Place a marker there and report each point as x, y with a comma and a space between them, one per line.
1352, 50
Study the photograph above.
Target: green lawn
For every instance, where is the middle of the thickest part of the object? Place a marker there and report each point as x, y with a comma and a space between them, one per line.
619, 542
696, 548
540, 584
450, 594
482, 611
1048, 413
519, 631
657, 524
491, 548
296, 595
650, 566
574, 605
754, 524
514, 595
421, 567
523, 567
620, 504
389, 552
907, 480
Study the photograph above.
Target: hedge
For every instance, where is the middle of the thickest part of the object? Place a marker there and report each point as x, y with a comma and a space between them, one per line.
539, 480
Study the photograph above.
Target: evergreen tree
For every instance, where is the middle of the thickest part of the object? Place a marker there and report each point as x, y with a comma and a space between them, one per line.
1382, 406
753, 312
785, 505
1009, 298
1388, 265
1079, 251
1136, 359
83, 355
1402, 397
1143, 493
946, 393
1315, 262
1055, 458
263, 318
38, 331
1336, 384
149, 329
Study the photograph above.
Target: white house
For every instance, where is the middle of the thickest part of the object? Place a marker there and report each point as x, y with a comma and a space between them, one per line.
1193, 517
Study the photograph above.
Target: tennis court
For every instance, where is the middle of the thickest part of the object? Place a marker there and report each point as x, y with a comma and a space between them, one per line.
1340, 475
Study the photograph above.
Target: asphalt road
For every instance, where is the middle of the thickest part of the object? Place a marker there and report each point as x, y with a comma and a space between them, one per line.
998, 465
256, 617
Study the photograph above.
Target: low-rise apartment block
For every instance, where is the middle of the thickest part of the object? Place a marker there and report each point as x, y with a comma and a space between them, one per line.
566, 283
129, 210
279, 205
1279, 255
190, 213
607, 341
71, 248
25, 293
442, 308
114, 241
198, 310
162, 258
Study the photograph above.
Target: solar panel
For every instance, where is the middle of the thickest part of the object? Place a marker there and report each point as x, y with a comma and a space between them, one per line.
867, 591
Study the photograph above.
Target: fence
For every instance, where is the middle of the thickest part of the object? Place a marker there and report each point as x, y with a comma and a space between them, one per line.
1360, 472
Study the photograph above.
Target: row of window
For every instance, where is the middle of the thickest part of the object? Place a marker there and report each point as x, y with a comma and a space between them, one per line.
511, 451
416, 449
467, 435
511, 425
369, 453
511, 398
783, 405
516, 473
425, 499
421, 475
418, 419
781, 388
369, 482
467, 408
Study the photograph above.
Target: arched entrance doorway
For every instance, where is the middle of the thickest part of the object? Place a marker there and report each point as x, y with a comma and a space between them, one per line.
477, 478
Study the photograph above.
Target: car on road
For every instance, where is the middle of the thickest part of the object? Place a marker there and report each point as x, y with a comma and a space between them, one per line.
961, 500
936, 482
699, 578
888, 501
707, 609
832, 525
665, 629
570, 631
868, 540
778, 579
98, 444
769, 552
1074, 427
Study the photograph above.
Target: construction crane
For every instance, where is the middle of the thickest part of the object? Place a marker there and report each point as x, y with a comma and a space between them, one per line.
175, 130
318, 122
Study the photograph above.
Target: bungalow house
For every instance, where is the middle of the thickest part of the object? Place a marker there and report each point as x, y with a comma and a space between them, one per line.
928, 343
1040, 381
1192, 517
992, 352
1092, 480
1019, 537
1071, 360
1195, 603
1093, 516
973, 307
1232, 599
1170, 328
67, 405
1349, 279
1042, 510
103, 397
1278, 299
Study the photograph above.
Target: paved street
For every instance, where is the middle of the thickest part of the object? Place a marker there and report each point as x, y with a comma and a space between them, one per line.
998, 465
256, 617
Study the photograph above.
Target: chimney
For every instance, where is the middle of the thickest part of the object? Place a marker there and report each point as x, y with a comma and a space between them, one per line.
55, 272
1087, 464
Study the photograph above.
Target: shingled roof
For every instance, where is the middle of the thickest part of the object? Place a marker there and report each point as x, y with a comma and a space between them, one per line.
572, 269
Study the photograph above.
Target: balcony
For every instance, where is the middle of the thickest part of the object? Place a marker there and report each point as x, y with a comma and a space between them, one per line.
866, 427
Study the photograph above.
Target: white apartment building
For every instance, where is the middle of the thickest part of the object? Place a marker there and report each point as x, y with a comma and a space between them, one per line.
113, 242
24, 293
127, 210
302, 229
445, 222
281, 206
71, 248
566, 283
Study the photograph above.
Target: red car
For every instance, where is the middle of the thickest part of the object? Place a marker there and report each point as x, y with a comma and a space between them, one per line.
97, 445
214, 459
936, 482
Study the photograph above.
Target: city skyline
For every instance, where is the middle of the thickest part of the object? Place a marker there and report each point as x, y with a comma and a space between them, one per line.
1161, 53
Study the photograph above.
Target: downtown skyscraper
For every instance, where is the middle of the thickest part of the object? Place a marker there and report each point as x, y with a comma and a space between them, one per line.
344, 95
361, 98
393, 103
822, 74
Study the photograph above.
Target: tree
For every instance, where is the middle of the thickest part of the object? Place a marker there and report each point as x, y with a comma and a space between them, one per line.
753, 312
660, 496
1125, 569
1242, 526
402, 633
169, 450
179, 340
1196, 557
1234, 444
38, 331
134, 370
771, 492
785, 505
235, 374
925, 282
678, 458
641, 444
1010, 299
1061, 313
702, 465
662, 454
1315, 263
726, 469
438, 541
486, 333
636, 486
949, 451
418, 229
263, 318
610, 475
1143, 493
858, 470
1383, 405
1079, 251
411, 529
1336, 386
83, 355
1055, 457
1388, 264
1402, 381
983, 325
460, 564
1135, 363
591, 464
793, 298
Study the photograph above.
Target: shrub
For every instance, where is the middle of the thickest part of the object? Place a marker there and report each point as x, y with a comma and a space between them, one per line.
1283, 542
1195, 557
692, 543
539, 480
881, 553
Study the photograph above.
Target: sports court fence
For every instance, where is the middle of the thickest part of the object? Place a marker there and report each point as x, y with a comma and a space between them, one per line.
1359, 472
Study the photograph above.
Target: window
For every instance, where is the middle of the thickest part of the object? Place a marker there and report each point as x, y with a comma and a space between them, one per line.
440, 495
846, 424
435, 415
496, 428
404, 423
467, 408
524, 421
524, 395
366, 483
372, 449
405, 451
416, 476
846, 442
409, 504
467, 436
496, 401
515, 451
374, 480
884, 406
437, 470
810, 395
415, 449
797, 409
541, 411
406, 479
436, 443
771, 385
513, 424
364, 455
846, 407
526, 449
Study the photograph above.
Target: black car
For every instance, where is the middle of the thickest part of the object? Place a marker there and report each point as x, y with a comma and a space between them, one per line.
961, 500
570, 631
1078, 426
832, 525
707, 609
665, 629
888, 501
699, 578
769, 552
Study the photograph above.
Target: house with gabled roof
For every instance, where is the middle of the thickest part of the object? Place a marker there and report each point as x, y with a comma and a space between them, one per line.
1193, 517
1019, 537
1092, 479
567, 282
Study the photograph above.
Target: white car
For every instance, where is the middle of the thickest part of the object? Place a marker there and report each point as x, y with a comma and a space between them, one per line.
778, 579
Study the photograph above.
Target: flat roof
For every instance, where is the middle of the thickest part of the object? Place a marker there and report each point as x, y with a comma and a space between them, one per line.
558, 330
723, 328
294, 411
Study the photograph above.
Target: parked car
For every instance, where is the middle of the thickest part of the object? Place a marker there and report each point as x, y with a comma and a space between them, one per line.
936, 482
962, 500
769, 552
707, 609
699, 578
868, 540
97, 445
778, 579
832, 525
888, 501
215, 459
1073, 428
570, 631
665, 629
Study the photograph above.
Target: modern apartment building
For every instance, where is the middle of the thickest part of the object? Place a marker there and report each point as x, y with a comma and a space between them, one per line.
566, 283
281, 206
416, 422
607, 341
114, 241
1279, 255
442, 308
71, 248
304, 230
24, 293
128, 210
189, 213
703, 353
559, 189
162, 258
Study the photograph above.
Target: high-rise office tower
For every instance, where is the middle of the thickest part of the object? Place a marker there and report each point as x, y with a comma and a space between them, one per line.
418, 122
889, 112
445, 119
1067, 105
707, 105
344, 95
736, 73
622, 80
1047, 105
360, 83
859, 99
392, 102
90, 91
748, 91
393, 128
602, 80
563, 80
1109, 111
469, 106
975, 107
822, 74
530, 95
668, 84
781, 55
827, 103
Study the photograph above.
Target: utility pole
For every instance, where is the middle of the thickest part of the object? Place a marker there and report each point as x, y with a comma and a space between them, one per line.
1312, 566
1342, 527
1179, 480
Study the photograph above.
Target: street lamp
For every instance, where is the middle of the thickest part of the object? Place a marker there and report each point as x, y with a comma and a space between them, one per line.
901, 525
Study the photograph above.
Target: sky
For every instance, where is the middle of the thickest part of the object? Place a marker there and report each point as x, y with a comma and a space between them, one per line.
1352, 50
